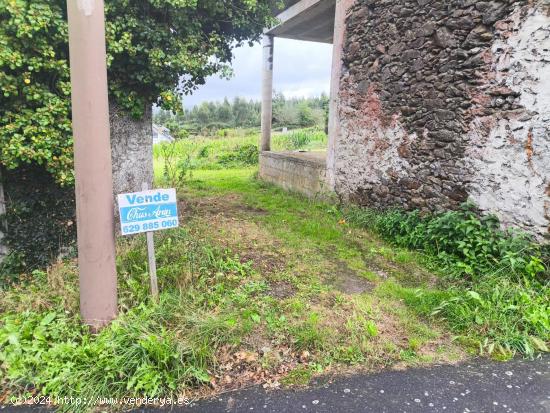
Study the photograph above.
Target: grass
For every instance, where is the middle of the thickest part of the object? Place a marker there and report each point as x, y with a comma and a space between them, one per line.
258, 285
248, 295
219, 153
494, 285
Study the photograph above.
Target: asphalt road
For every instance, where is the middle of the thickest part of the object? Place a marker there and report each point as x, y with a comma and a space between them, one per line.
479, 386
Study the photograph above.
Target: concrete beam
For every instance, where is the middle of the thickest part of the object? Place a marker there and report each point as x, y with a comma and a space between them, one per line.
311, 20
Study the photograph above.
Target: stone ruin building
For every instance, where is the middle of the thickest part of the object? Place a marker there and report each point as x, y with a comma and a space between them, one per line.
433, 103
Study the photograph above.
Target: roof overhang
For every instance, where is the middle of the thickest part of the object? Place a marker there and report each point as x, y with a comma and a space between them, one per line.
311, 20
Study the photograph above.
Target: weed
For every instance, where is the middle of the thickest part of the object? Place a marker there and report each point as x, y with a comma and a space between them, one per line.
309, 335
300, 376
497, 281
176, 169
465, 243
142, 353
301, 139
241, 156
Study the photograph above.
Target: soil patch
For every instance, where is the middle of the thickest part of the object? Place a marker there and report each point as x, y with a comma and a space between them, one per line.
231, 221
347, 281
230, 205
281, 290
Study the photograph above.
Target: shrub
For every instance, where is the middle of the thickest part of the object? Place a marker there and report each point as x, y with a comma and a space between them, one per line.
243, 155
464, 242
496, 281
176, 169
40, 219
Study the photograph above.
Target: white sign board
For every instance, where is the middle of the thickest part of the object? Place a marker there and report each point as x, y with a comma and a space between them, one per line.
146, 211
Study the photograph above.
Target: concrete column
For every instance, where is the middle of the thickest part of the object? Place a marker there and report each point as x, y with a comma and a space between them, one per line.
342, 7
267, 92
92, 162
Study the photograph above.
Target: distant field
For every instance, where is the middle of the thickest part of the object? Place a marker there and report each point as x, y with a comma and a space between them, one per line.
236, 148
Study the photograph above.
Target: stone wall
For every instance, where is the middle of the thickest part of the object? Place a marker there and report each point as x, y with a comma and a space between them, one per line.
445, 101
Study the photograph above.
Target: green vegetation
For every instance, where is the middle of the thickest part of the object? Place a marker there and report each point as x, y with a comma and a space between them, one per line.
40, 222
211, 118
236, 148
259, 285
175, 162
251, 292
146, 64
495, 285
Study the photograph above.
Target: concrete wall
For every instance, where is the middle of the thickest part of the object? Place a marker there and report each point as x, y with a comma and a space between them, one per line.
300, 172
441, 102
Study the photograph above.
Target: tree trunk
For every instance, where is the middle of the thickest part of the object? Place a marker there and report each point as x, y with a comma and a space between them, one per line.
132, 149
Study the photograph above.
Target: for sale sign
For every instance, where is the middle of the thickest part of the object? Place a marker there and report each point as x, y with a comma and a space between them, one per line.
146, 211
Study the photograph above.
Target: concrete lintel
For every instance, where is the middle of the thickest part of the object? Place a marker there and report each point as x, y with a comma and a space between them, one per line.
311, 20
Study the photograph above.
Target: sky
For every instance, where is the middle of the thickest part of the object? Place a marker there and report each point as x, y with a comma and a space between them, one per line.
301, 69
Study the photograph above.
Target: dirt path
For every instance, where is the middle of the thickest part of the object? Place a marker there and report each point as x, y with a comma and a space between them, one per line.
331, 284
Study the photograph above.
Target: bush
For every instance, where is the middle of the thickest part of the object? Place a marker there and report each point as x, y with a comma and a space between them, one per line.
243, 155
176, 169
40, 218
464, 242
497, 284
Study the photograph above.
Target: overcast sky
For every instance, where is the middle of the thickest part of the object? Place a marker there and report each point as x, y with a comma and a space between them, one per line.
300, 69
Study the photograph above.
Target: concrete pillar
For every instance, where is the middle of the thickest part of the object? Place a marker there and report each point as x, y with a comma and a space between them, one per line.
267, 92
342, 7
92, 162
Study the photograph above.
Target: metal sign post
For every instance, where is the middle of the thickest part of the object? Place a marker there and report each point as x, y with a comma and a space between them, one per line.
151, 256
148, 211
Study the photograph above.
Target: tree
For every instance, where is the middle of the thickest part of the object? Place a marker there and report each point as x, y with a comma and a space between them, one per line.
158, 50
225, 113
204, 113
306, 116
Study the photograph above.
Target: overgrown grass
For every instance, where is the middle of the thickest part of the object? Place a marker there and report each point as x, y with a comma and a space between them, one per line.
247, 289
220, 318
302, 139
151, 349
237, 149
494, 287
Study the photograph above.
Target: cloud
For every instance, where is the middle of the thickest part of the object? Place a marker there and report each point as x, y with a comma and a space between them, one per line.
300, 69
